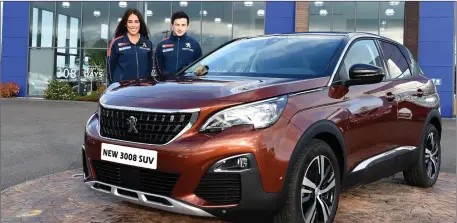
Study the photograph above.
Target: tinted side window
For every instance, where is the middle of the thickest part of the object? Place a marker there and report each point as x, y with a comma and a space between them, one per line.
363, 52
395, 60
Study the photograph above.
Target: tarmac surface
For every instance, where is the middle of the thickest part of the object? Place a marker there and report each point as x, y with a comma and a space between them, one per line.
40, 137
64, 198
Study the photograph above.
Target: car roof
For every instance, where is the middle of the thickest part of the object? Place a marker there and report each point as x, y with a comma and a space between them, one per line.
348, 35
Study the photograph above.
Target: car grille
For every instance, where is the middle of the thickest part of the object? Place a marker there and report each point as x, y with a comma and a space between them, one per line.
219, 188
135, 178
152, 127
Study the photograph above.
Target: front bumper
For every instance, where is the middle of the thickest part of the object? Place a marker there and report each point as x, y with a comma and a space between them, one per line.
147, 199
253, 204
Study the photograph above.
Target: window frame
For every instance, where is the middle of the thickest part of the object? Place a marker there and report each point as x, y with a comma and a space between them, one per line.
412, 61
40, 26
399, 47
338, 77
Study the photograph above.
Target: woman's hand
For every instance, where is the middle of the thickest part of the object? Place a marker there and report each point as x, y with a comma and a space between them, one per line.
201, 71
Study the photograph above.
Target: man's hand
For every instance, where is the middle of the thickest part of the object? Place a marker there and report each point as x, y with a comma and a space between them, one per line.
201, 71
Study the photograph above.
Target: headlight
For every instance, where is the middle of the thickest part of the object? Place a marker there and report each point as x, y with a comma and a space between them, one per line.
260, 114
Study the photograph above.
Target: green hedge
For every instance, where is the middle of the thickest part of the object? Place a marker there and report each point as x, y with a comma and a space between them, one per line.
91, 97
59, 91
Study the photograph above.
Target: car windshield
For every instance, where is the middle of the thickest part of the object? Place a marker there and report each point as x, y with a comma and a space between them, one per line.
299, 56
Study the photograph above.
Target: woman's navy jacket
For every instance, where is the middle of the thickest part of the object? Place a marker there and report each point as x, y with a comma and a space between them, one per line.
128, 61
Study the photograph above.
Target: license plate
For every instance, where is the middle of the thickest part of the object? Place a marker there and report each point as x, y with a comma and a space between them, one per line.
129, 156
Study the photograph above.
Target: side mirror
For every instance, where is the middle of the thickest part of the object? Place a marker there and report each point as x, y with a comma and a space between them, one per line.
364, 74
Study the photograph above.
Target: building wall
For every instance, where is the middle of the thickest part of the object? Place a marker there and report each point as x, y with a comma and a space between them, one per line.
436, 48
14, 44
411, 29
280, 17
1, 28
69, 41
301, 17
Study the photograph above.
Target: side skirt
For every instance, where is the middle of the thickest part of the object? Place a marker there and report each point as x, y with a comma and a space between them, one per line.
382, 165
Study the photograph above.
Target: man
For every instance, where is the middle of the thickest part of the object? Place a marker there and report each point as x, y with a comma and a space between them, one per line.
177, 51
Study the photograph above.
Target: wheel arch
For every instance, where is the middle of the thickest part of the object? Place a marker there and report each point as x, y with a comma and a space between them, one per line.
434, 118
324, 130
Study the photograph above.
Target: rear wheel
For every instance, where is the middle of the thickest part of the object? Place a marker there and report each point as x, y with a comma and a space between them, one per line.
313, 191
426, 170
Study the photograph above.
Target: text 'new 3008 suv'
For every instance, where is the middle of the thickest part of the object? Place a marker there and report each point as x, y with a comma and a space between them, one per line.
273, 126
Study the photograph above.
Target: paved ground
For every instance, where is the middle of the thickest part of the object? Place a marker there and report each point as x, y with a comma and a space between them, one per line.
41, 137
449, 145
61, 198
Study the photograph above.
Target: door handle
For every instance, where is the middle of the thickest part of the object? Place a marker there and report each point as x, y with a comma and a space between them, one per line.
390, 96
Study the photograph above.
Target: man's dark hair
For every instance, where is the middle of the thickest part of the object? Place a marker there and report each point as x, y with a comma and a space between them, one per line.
179, 15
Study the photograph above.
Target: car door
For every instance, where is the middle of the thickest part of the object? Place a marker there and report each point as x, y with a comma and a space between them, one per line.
410, 90
372, 108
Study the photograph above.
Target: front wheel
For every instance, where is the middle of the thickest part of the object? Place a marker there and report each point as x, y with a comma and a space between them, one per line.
427, 168
313, 191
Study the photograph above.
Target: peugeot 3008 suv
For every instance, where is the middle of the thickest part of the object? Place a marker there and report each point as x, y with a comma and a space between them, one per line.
272, 126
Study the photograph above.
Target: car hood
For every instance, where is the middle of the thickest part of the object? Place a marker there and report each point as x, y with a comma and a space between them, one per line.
192, 91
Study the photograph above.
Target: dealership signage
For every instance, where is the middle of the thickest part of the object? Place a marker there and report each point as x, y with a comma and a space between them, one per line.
71, 73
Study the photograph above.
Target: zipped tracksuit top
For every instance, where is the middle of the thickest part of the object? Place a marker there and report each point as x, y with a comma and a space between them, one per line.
128, 61
176, 52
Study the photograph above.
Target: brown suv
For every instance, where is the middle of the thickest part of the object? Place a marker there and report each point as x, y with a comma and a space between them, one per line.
273, 126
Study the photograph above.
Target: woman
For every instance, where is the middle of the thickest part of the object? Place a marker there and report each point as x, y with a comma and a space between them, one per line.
130, 52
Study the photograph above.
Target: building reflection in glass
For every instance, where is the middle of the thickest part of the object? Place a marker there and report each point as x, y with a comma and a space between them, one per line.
69, 40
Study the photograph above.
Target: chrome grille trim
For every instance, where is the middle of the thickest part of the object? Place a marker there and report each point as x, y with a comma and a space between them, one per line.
176, 206
194, 116
155, 110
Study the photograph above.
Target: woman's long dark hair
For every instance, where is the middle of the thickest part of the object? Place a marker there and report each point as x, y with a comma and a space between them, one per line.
122, 28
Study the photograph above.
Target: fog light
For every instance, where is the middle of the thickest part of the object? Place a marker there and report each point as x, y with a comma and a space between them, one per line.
236, 163
242, 162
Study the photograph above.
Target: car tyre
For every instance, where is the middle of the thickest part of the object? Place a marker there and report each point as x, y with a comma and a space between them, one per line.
326, 198
425, 171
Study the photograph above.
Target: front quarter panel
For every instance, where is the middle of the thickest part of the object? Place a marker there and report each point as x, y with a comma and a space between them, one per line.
326, 104
306, 111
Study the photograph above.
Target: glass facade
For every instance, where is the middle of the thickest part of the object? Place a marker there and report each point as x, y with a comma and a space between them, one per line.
380, 18
69, 40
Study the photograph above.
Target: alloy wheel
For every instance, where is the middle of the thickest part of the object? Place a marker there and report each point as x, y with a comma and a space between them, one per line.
318, 190
432, 149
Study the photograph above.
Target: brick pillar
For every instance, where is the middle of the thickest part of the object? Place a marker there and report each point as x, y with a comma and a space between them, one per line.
301, 16
411, 30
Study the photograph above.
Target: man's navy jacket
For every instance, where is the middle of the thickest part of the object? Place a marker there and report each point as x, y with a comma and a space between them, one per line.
175, 52
128, 61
